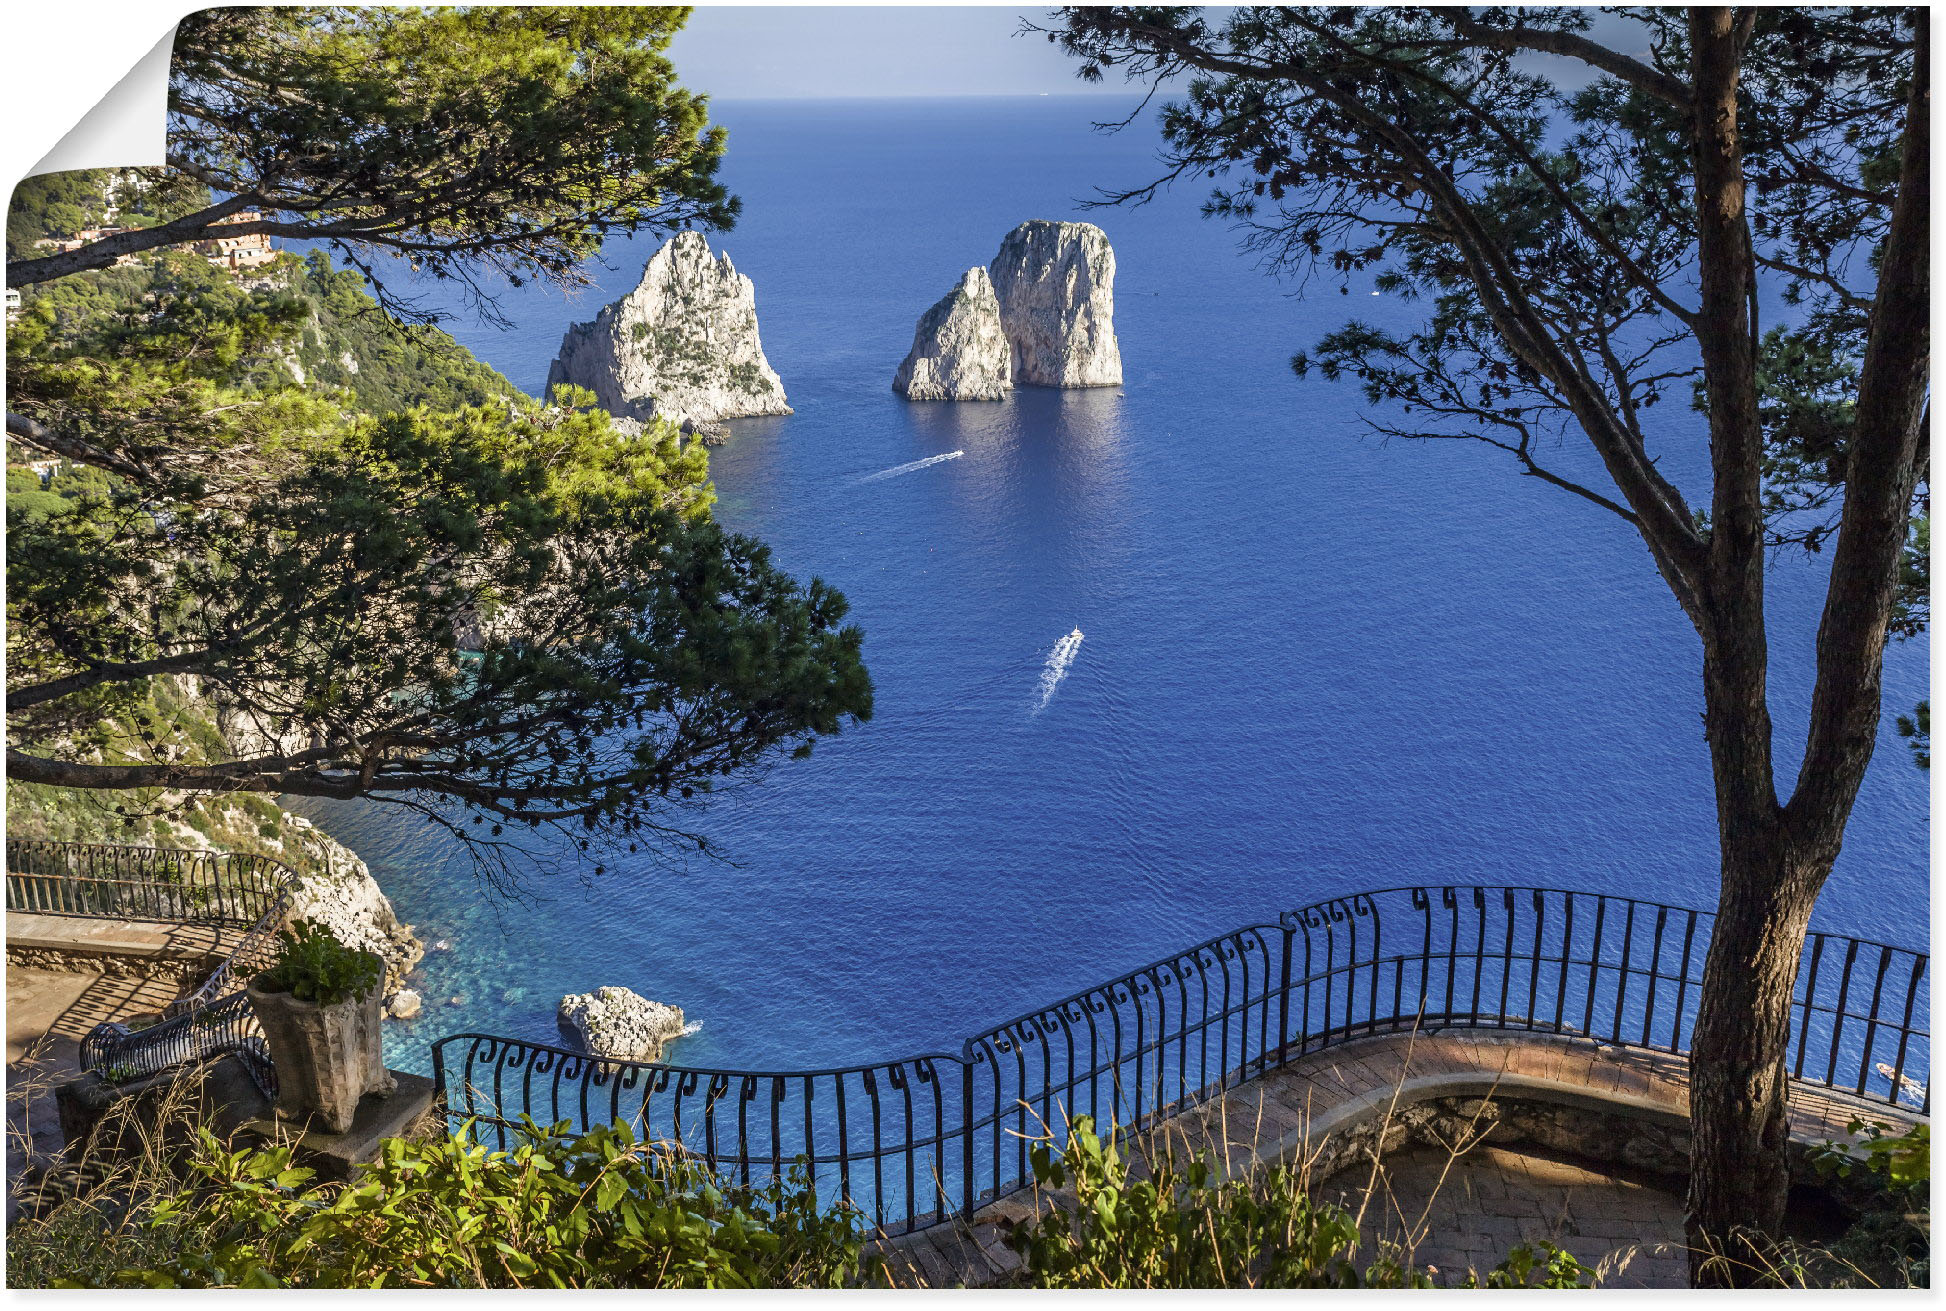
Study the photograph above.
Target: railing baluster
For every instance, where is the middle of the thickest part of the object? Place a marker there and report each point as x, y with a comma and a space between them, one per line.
1905, 1026
1621, 990
1506, 952
1539, 901
1479, 947
1682, 984
1452, 949
903, 1082
1655, 973
1838, 1013
1378, 943
1871, 1021
1810, 1002
968, 1192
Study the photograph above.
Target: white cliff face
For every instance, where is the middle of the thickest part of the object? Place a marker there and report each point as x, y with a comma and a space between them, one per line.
1056, 287
682, 346
959, 352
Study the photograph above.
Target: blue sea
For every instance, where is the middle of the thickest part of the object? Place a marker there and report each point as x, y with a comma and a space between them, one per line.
1313, 662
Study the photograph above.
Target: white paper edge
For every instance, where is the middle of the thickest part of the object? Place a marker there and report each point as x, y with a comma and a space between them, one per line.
128, 127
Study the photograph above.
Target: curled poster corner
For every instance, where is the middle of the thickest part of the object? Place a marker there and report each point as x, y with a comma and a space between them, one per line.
128, 127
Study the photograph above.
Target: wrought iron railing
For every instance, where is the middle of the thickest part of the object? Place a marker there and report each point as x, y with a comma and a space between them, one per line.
222, 889
225, 1026
914, 1141
141, 883
255, 952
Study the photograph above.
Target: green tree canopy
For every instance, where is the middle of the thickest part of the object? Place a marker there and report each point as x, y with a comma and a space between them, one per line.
52, 205
456, 140
389, 573
509, 606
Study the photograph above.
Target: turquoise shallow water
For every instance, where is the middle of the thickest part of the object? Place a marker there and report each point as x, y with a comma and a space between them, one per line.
1313, 662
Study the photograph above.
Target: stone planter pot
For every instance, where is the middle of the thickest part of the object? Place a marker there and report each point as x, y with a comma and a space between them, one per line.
327, 1057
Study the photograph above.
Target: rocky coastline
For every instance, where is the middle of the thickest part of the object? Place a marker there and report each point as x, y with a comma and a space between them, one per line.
343, 896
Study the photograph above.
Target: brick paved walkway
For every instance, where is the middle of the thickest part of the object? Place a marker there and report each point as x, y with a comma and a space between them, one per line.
1461, 1214
1321, 1102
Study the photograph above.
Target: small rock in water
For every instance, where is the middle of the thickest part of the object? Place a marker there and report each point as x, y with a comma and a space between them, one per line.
442, 945
706, 431
512, 995
620, 1023
457, 999
405, 1004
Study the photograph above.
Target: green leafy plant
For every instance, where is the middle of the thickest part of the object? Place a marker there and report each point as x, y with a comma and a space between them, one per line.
1536, 1265
1899, 1163
599, 1209
312, 965
1889, 1242
1183, 1226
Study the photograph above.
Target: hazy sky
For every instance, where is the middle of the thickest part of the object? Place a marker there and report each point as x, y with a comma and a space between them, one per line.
737, 52
783, 52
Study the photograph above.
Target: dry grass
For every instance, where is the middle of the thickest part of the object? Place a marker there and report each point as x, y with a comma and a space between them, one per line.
77, 1216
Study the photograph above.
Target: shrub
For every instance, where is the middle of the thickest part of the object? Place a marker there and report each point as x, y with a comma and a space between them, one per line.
1183, 1225
312, 965
595, 1210
604, 1210
1888, 1244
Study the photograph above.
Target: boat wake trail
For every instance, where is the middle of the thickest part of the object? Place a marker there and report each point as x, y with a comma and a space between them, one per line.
896, 470
1056, 667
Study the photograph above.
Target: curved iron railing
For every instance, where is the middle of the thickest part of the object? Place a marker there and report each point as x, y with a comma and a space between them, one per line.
912, 1142
226, 1026
99, 880
177, 886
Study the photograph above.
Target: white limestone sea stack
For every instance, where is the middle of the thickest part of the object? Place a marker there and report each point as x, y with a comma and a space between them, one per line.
682, 346
620, 1024
1053, 292
959, 351
1056, 287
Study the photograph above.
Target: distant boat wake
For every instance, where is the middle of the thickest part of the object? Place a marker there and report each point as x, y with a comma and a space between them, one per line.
908, 468
1056, 667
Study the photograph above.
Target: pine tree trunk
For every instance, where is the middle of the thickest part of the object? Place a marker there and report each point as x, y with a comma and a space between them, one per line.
1775, 859
1738, 1179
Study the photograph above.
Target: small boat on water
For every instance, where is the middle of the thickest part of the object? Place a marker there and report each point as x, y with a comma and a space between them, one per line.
1076, 634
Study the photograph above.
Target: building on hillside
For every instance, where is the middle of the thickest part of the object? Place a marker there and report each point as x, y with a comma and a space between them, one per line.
237, 254
85, 237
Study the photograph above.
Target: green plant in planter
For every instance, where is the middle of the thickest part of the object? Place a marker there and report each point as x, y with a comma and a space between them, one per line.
313, 966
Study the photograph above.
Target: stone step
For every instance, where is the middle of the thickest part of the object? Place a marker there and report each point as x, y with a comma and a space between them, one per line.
337, 1155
